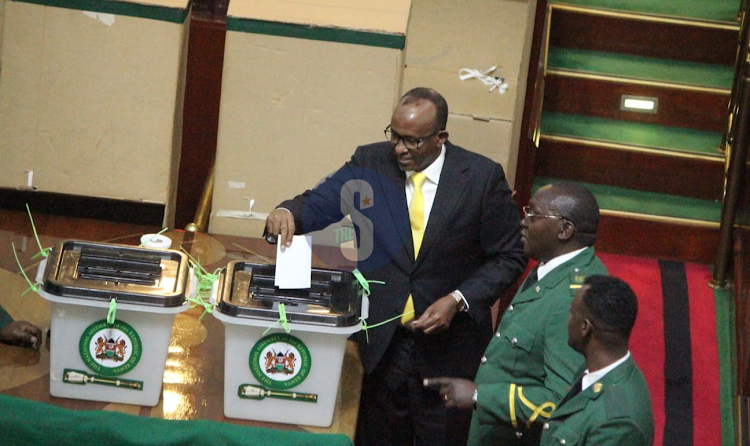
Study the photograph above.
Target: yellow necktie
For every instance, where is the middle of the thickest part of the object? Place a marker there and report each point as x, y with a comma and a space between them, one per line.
416, 218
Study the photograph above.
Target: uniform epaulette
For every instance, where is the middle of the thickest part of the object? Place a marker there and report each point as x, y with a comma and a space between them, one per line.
576, 281
614, 399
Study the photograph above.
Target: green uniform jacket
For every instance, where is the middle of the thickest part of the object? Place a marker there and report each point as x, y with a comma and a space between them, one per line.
528, 366
5, 318
613, 411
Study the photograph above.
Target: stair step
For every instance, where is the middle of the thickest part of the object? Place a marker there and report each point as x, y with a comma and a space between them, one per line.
663, 172
650, 204
636, 134
637, 68
643, 35
724, 11
700, 110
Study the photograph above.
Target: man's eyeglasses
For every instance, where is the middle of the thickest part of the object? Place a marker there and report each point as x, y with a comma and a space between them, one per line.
409, 142
527, 215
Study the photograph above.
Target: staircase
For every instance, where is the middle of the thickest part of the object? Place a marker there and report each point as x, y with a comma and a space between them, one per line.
658, 174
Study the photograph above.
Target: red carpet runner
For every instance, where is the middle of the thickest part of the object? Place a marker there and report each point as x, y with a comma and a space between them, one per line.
674, 344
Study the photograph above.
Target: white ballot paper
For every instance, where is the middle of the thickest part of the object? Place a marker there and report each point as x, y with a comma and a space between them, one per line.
294, 263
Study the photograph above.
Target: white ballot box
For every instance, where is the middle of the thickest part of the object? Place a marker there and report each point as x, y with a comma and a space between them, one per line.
105, 351
274, 375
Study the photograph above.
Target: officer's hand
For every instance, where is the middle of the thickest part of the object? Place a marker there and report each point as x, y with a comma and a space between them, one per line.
456, 392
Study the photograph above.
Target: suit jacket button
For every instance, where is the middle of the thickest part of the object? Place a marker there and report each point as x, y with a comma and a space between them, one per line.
538, 288
562, 441
483, 360
497, 335
510, 309
546, 426
519, 434
514, 341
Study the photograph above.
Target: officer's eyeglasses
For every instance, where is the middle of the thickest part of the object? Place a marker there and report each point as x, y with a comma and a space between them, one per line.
528, 215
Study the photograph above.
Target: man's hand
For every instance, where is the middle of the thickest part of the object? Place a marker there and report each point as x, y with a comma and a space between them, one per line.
21, 333
437, 317
280, 223
456, 392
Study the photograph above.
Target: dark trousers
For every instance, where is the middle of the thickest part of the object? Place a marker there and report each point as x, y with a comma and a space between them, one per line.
396, 409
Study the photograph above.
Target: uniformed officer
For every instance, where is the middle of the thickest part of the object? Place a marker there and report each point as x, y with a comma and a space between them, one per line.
528, 366
610, 403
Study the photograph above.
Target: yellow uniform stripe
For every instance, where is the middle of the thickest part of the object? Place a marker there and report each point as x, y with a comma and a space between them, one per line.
512, 405
537, 410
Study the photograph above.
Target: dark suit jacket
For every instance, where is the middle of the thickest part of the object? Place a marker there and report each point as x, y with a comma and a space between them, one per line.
471, 243
616, 410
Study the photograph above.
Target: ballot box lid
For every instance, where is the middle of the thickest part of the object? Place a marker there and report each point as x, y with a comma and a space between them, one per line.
102, 271
247, 290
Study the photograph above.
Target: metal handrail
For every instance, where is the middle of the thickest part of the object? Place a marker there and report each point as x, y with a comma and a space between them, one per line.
728, 138
737, 142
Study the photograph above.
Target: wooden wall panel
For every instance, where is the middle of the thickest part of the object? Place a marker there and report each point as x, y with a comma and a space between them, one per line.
201, 109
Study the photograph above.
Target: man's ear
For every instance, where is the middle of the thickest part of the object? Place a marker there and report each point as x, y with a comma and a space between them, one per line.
567, 230
587, 328
442, 136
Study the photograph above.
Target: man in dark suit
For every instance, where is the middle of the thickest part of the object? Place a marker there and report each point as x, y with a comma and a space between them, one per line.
437, 225
19, 333
610, 403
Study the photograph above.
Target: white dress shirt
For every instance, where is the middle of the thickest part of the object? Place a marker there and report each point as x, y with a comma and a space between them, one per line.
591, 378
545, 268
429, 187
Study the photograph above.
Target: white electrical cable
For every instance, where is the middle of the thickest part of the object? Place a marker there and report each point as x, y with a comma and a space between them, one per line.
492, 81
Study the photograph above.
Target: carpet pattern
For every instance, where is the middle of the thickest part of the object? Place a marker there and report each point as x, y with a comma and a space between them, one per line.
674, 342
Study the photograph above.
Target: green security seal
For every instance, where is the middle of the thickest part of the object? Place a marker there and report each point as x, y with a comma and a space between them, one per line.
280, 361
